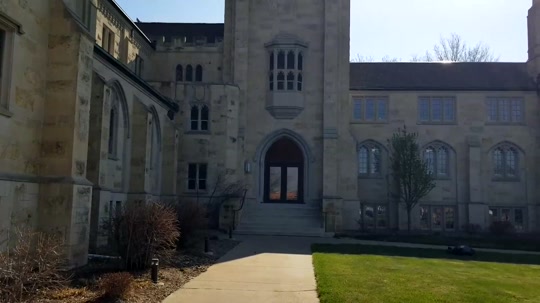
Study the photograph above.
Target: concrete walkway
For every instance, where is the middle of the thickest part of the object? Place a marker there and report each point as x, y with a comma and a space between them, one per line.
260, 270
265, 269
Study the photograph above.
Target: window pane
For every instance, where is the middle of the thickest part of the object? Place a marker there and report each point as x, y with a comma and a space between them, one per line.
300, 61
202, 171
517, 111
449, 217
271, 81
290, 81
369, 217
272, 61
424, 109
511, 163
424, 217
189, 73
192, 171
442, 161
429, 159
281, 81
375, 161
436, 110
204, 125
202, 184
275, 184
194, 118
179, 73
198, 73
363, 160
381, 216
505, 214
281, 60
504, 110
292, 183
498, 162
300, 79
205, 113
436, 218
449, 114
492, 110
493, 215
370, 110
518, 219
290, 60
381, 110
357, 111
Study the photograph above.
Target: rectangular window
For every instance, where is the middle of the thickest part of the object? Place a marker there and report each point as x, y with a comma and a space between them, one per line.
6, 51
370, 109
197, 176
505, 110
449, 218
437, 110
357, 111
108, 40
516, 216
139, 65
438, 217
2, 63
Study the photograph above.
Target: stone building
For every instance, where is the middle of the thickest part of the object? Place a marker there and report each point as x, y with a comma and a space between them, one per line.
98, 111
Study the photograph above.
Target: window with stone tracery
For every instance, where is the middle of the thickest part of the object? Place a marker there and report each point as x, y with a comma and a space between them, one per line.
505, 159
437, 159
285, 70
370, 159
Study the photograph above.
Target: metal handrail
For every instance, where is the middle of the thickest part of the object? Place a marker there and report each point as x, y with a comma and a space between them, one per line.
239, 209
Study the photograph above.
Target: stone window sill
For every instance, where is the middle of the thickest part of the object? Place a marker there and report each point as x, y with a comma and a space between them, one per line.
436, 123
5, 112
505, 180
372, 177
369, 122
113, 157
506, 123
197, 132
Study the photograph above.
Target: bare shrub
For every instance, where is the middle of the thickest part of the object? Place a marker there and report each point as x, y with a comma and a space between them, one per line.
34, 264
472, 229
115, 285
191, 217
145, 231
501, 228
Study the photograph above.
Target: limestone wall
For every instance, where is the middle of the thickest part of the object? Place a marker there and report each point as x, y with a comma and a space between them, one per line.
471, 124
22, 101
128, 41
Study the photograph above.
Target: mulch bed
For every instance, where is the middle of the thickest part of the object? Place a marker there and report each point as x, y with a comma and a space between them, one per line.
186, 265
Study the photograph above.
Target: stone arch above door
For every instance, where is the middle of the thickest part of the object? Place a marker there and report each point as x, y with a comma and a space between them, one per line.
263, 149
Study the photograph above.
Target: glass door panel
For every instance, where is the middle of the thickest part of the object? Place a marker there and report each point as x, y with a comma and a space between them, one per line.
275, 184
292, 183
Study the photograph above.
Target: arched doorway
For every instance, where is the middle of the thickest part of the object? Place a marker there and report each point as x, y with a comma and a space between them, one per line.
284, 173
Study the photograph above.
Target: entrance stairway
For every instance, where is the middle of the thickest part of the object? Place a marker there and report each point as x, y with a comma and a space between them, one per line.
280, 220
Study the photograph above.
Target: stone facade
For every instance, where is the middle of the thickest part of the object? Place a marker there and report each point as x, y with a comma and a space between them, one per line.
98, 111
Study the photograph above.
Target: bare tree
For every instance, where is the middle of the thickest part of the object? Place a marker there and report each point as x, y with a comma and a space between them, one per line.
410, 172
359, 58
224, 190
455, 49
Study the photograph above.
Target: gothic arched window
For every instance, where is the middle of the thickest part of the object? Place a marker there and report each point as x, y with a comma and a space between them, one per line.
179, 73
505, 158
370, 159
198, 73
189, 73
437, 159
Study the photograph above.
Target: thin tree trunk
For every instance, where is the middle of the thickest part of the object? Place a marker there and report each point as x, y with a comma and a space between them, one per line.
409, 220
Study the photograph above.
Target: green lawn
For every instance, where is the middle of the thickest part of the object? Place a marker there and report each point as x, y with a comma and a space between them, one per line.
373, 274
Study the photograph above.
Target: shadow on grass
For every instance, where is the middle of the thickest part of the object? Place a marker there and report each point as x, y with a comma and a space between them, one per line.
357, 249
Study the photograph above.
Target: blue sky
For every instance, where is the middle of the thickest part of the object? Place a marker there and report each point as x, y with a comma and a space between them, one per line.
394, 28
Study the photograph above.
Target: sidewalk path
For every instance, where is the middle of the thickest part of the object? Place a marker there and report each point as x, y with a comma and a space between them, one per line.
258, 270
265, 269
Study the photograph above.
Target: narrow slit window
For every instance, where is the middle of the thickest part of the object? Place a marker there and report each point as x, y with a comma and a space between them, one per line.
189, 73
281, 81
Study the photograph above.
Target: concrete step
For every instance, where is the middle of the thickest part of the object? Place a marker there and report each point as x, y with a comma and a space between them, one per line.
315, 232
